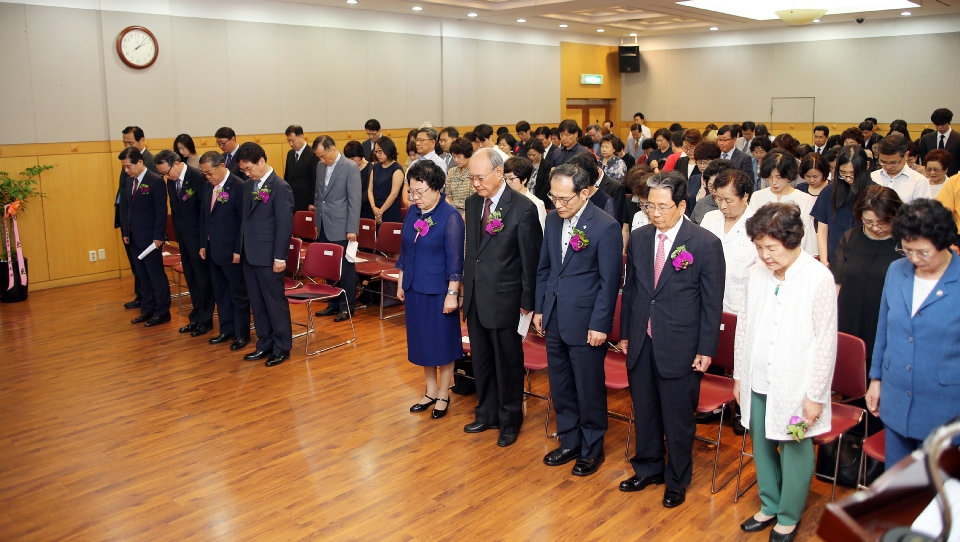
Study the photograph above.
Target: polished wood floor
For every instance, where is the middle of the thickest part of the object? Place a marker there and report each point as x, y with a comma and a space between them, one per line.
110, 431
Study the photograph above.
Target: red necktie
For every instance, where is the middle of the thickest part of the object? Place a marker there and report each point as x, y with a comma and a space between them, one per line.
485, 219
657, 269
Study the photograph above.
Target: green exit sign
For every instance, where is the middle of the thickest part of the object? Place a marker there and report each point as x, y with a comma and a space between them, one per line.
591, 79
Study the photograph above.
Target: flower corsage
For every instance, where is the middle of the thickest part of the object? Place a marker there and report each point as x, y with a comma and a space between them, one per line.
495, 225
681, 258
144, 189
262, 195
223, 196
579, 240
187, 194
423, 227
797, 428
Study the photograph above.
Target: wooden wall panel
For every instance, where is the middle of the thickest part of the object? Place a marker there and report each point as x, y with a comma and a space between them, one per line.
579, 58
30, 223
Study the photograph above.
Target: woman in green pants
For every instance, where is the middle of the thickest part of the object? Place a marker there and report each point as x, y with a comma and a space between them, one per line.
784, 354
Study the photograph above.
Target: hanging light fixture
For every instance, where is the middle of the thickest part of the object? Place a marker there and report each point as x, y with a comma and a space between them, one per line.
800, 16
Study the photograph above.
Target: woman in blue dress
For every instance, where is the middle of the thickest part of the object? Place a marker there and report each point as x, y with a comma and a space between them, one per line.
431, 268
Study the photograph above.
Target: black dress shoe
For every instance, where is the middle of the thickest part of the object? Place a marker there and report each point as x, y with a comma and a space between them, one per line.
437, 413
588, 466
478, 427
220, 339
636, 483
329, 311
254, 356
200, 330
142, 318
754, 526
561, 456
780, 537
738, 428
135, 304
188, 328
342, 316
673, 498
506, 439
707, 417
422, 407
239, 343
157, 320
277, 359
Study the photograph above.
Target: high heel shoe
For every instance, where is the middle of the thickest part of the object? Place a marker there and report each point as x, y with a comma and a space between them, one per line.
437, 414
422, 407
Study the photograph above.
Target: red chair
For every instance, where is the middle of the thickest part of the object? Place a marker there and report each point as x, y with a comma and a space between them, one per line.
535, 359
717, 391
303, 226
171, 258
322, 262
403, 214
290, 281
388, 246
367, 236
615, 373
465, 340
394, 277
178, 271
874, 447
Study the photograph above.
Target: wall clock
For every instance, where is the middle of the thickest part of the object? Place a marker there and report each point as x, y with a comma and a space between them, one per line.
137, 47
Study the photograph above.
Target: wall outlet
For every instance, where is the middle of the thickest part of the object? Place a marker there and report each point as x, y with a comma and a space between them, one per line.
103, 254
93, 255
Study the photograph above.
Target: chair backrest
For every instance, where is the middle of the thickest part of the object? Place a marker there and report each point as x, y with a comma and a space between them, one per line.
323, 261
728, 331
303, 226
614, 336
367, 237
850, 373
171, 234
388, 238
293, 257
403, 214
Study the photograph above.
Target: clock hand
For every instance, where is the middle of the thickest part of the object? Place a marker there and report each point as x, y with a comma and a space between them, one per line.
142, 43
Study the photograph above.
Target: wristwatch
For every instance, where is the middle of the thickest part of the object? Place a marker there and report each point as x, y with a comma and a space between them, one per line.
453, 292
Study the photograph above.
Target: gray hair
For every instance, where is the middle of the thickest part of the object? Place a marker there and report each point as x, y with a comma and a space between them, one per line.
592, 127
324, 141
431, 133
672, 181
492, 156
579, 177
213, 158
167, 157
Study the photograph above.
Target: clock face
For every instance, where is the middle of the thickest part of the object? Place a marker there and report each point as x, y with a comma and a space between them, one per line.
137, 47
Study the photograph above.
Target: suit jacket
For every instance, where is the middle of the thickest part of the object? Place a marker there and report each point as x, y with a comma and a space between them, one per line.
684, 308
185, 209
301, 175
430, 262
951, 145
743, 161
234, 166
918, 370
615, 190
368, 149
220, 227
144, 216
693, 186
267, 225
542, 186
500, 271
151, 165
337, 206
581, 288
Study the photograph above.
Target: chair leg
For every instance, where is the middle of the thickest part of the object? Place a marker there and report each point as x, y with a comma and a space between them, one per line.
310, 327
743, 447
836, 468
626, 451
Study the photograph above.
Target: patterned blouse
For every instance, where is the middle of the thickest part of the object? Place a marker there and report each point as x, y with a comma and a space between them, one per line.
615, 168
458, 187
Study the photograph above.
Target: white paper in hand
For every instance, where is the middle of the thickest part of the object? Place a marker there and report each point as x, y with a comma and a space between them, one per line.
351, 252
150, 248
524, 326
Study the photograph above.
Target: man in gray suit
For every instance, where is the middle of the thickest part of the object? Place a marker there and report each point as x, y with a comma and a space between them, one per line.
337, 207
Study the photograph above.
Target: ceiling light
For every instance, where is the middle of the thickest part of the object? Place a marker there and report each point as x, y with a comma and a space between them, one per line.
599, 30
816, 20
766, 10
521, 20
714, 28
471, 14
417, 8
633, 35
800, 16
563, 26
906, 14
351, 1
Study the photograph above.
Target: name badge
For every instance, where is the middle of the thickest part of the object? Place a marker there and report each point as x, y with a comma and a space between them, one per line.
328, 253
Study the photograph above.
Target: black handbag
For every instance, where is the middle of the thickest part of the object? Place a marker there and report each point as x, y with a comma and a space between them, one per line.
463, 383
850, 461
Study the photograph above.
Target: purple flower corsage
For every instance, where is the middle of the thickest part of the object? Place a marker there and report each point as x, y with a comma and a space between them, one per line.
681, 258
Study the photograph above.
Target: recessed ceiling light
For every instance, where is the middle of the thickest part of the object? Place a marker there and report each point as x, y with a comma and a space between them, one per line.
600, 30
906, 14
351, 1
714, 28
521, 20
471, 14
816, 20
417, 8
633, 35
766, 10
563, 26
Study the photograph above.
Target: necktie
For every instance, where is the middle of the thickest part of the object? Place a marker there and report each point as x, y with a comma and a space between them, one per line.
227, 160
179, 186
136, 186
940, 146
657, 269
485, 219
726, 156
819, 150
213, 197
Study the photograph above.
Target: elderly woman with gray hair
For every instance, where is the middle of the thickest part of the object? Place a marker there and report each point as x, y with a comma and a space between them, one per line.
784, 355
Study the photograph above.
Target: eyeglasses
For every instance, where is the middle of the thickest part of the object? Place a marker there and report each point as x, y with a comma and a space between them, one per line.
724, 139
480, 178
421, 139
222, 142
377, 151
922, 254
876, 223
884, 163
933, 170
702, 164
846, 176
416, 194
649, 207
565, 201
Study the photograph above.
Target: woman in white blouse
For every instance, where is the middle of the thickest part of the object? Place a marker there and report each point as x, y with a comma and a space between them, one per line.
732, 190
778, 169
784, 355
517, 171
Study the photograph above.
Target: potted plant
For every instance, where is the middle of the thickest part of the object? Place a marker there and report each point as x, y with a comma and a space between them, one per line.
14, 194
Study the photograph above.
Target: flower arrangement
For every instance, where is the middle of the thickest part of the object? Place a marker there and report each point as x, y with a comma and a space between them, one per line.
797, 428
262, 195
681, 258
187, 194
223, 196
579, 240
495, 225
423, 227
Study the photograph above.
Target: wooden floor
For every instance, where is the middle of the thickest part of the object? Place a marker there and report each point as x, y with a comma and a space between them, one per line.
110, 431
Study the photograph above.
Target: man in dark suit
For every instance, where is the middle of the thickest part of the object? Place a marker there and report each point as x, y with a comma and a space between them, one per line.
227, 141
869, 135
727, 140
372, 127
300, 171
499, 284
132, 137
143, 221
184, 187
265, 239
598, 197
336, 206
577, 283
943, 138
670, 321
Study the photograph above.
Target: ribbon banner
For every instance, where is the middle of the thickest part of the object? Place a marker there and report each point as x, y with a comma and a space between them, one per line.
12, 213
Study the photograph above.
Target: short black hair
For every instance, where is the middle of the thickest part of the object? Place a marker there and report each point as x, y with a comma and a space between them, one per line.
588, 163
535, 145
470, 136
928, 219
816, 162
389, 148
662, 132
748, 125
780, 221
716, 168
186, 141
677, 139
452, 132
671, 180
512, 141
483, 132
555, 132
462, 146
428, 172
894, 144
706, 150
740, 181
899, 125
586, 141
831, 154
883, 201
131, 153
727, 128
761, 142
569, 126
614, 141
639, 114
503, 130
636, 180
762, 131
225, 133
251, 152
580, 178
676, 127
866, 125
822, 128
941, 116
787, 143
373, 125
136, 130
648, 143
167, 157
294, 129
523, 126
520, 166
782, 162
852, 133
353, 149
873, 120
324, 141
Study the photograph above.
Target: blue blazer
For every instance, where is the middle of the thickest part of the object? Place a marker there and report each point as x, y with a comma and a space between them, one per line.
220, 227
581, 290
433, 260
917, 359
267, 227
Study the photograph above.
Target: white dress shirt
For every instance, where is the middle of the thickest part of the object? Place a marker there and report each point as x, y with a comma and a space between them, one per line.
567, 231
739, 253
804, 201
640, 218
908, 184
432, 156
668, 244
298, 152
495, 199
946, 137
